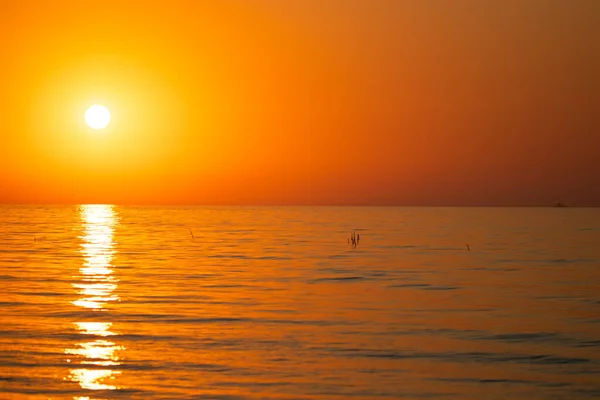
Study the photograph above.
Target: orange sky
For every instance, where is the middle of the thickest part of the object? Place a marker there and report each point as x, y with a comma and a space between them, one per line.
301, 102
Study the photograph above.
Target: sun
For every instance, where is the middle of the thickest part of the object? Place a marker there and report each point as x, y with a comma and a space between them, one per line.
97, 117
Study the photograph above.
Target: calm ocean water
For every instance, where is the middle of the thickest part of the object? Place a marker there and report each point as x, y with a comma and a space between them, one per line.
103, 302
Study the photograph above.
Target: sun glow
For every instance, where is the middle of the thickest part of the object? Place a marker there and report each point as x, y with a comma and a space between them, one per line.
97, 117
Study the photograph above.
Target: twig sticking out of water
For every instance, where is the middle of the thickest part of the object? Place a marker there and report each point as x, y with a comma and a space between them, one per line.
354, 239
191, 233
468, 248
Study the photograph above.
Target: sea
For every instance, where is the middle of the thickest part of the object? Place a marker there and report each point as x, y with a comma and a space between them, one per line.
122, 302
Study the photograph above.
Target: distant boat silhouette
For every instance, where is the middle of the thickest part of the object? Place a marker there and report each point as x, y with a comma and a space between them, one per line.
559, 205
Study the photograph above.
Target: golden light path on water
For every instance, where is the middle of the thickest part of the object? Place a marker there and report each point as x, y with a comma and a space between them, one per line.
96, 355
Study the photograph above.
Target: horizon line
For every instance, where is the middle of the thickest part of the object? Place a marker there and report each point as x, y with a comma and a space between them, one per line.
298, 205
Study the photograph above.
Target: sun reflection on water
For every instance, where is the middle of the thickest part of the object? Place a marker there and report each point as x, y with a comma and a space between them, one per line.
96, 355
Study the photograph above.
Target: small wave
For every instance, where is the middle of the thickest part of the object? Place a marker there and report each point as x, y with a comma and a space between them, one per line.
524, 337
441, 288
427, 248
12, 304
589, 343
588, 392
29, 388
202, 276
491, 269
516, 358
338, 256
152, 318
409, 285
337, 279
547, 261
501, 381
416, 271
453, 310
227, 286
336, 270
233, 256
244, 257
423, 286
480, 357
44, 294
377, 273
278, 258
538, 337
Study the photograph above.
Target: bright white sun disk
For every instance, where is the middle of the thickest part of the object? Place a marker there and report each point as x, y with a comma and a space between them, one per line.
97, 117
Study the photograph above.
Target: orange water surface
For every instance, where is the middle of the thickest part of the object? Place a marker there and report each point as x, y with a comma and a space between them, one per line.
111, 302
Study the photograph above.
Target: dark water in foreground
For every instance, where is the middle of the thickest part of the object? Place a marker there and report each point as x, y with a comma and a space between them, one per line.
102, 302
